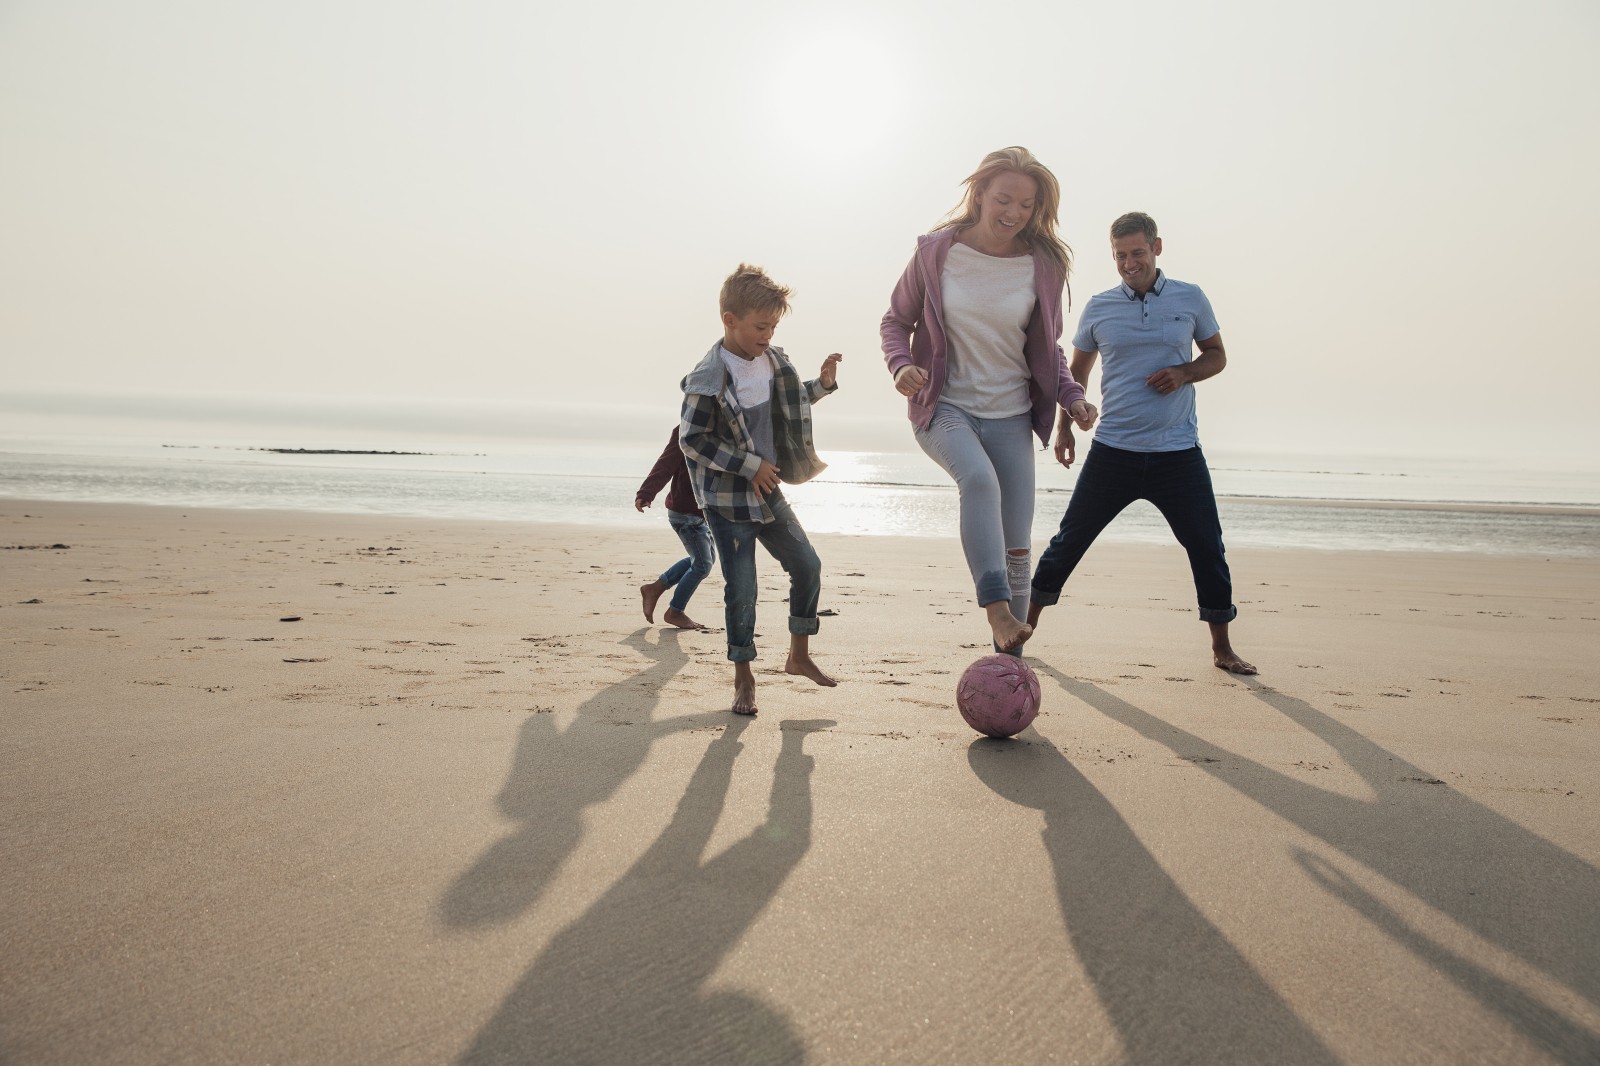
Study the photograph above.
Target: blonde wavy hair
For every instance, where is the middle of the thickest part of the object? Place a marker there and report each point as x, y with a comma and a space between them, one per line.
1040, 233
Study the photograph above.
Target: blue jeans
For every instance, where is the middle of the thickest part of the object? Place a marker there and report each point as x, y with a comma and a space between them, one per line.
787, 543
1179, 485
991, 462
687, 573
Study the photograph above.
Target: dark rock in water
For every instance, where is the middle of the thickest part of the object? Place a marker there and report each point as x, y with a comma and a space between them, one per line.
334, 451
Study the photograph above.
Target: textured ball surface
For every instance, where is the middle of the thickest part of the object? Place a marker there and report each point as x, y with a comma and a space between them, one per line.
998, 695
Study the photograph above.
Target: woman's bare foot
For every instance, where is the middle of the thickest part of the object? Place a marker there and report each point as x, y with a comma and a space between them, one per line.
1009, 634
805, 667
744, 689
650, 592
675, 617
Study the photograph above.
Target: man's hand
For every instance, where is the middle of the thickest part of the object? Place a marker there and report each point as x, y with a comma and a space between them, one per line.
1066, 447
830, 370
639, 504
1084, 413
1169, 379
766, 479
910, 380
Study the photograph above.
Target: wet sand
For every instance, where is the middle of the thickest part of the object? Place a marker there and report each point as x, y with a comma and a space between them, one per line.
468, 806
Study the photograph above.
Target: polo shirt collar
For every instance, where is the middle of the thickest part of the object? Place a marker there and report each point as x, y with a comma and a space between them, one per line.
1161, 283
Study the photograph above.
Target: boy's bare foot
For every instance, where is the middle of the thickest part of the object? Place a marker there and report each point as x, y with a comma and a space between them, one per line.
1009, 634
744, 689
650, 592
803, 666
675, 617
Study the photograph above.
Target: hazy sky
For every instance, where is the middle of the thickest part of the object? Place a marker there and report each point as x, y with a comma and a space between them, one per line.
1391, 205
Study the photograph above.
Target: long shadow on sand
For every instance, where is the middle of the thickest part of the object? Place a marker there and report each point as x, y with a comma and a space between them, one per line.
624, 983
1174, 987
558, 773
1514, 889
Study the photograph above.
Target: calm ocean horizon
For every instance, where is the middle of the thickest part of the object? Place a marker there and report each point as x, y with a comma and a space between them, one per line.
1369, 503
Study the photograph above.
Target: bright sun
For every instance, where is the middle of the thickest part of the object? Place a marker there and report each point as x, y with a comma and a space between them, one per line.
838, 92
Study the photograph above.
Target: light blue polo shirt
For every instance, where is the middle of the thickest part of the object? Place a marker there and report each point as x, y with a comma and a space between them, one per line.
1136, 337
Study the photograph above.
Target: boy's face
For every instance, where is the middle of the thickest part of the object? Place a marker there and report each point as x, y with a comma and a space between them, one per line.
749, 334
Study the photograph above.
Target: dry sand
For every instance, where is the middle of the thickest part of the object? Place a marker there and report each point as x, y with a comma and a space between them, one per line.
470, 807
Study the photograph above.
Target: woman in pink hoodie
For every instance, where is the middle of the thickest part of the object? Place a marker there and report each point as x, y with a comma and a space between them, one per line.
973, 339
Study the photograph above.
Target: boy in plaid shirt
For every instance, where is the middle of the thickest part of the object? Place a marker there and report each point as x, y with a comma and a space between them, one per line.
746, 427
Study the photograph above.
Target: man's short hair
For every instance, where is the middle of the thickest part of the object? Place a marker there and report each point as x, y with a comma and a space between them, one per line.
749, 289
1135, 222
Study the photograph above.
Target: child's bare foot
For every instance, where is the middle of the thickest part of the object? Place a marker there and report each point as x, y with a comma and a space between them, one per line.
650, 593
1009, 634
744, 689
803, 666
675, 617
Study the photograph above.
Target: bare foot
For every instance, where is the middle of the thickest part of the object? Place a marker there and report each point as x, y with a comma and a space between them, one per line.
744, 689
675, 617
1009, 634
803, 666
1034, 611
1233, 664
1222, 651
651, 592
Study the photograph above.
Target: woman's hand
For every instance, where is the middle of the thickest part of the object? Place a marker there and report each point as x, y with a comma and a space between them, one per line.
1084, 413
910, 380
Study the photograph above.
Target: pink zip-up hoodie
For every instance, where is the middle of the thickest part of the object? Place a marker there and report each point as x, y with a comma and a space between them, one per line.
913, 335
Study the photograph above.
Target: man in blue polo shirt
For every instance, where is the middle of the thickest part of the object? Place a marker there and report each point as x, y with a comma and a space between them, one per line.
1148, 443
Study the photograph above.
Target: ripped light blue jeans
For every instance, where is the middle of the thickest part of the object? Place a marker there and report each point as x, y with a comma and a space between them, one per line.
991, 461
687, 573
736, 546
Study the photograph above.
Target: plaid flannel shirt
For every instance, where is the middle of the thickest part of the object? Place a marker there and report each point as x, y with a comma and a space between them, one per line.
716, 441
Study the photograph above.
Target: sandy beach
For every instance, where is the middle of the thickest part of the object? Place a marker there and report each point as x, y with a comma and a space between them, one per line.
297, 788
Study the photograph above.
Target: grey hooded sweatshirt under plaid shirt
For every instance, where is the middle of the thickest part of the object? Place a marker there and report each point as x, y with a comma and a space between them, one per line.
716, 442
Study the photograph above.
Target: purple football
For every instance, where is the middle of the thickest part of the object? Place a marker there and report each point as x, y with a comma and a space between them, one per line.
998, 695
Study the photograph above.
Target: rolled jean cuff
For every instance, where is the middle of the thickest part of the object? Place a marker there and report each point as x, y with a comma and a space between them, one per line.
1219, 615
803, 627
741, 653
1046, 599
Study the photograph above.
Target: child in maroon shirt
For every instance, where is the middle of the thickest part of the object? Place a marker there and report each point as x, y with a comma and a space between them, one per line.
689, 524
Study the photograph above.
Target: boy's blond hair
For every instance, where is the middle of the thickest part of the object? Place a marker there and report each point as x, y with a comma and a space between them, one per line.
749, 289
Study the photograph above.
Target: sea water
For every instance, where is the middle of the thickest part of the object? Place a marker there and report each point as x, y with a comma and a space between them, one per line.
1374, 503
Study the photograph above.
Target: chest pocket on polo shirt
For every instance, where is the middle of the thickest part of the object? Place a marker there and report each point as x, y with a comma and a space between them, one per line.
1177, 331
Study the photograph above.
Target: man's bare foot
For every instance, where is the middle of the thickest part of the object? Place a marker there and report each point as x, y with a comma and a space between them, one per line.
675, 617
650, 592
744, 689
1222, 651
1233, 664
1009, 634
803, 666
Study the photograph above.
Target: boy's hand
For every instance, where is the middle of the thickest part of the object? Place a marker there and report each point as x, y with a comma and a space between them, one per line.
830, 370
639, 504
766, 478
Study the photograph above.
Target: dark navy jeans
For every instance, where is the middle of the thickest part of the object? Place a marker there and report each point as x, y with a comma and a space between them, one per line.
1179, 485
786, 541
